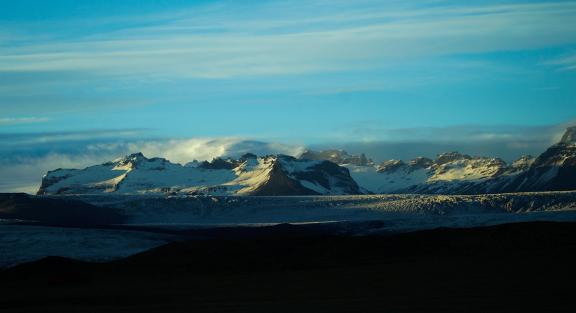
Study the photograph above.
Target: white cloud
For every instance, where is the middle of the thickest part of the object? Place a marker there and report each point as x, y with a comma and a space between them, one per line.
47, 138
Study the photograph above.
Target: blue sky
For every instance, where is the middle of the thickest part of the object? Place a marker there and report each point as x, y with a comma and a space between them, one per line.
300, 72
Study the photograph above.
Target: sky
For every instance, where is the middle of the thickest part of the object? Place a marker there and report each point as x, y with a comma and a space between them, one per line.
86, 81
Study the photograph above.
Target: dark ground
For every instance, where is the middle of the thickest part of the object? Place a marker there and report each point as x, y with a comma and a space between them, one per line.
526, 267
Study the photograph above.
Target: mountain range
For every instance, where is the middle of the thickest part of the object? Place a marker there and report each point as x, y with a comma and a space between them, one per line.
329, 172
249, 175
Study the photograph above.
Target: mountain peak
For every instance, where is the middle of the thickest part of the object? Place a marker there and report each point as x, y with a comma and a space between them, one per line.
421, 162
270, 175
390, 166
337, 156
569, 135
137, 155
131, 158
444, 158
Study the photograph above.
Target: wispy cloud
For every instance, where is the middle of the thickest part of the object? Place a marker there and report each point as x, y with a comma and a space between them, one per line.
22, 120
508, 142
372, 131
292, 45
564, 63
72, 65
14, 140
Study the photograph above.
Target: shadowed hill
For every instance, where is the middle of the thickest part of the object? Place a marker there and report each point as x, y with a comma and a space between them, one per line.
509, 268
55, 211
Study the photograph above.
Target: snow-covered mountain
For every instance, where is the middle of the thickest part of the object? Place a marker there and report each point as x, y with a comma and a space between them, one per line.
449, 173
331, 172
456, 173
249, 175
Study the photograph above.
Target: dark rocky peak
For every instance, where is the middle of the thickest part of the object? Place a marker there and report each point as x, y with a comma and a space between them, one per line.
219, 164
390, 166
451, 157
138, 156
421, 162
360, 160
569, 136
338, 157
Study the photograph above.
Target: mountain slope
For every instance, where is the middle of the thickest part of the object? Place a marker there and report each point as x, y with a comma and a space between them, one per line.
554, 169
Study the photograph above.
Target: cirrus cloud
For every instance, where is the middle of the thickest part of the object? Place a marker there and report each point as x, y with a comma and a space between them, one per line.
22, 120
186, 47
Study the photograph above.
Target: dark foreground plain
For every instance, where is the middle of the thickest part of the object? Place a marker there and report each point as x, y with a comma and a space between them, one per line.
527, 267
